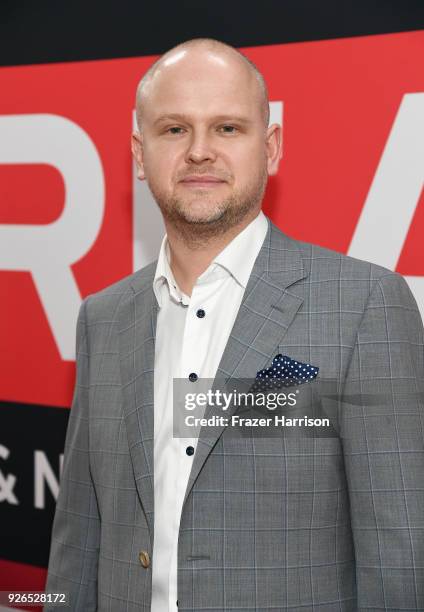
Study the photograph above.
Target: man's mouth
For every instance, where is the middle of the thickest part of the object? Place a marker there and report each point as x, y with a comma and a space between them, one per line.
204, 180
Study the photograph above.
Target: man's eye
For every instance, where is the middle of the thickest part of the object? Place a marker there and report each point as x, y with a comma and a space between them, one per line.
228, 129
175, 130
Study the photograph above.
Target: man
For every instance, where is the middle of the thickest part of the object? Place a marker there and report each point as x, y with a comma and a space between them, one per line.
149, 521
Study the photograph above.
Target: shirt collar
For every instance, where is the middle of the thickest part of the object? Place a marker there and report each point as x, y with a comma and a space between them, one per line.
237, 258
240, 254
164, 279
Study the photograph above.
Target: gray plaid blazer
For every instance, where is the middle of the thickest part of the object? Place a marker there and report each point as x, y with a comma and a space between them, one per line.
300, 524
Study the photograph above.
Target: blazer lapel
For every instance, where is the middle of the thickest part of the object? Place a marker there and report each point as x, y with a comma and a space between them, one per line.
266, 312
137, 330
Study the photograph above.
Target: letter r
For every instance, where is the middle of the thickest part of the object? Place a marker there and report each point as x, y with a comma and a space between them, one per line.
48, 251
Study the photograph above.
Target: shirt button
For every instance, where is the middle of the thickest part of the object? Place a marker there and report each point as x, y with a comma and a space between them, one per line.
190, 450
144, 558
193, 376
200, 313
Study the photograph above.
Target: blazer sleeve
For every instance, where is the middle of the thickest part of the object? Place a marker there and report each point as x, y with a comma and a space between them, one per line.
382, 438
74, 548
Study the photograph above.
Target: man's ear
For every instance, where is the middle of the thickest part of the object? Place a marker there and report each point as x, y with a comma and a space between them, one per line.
274, 145
137, 151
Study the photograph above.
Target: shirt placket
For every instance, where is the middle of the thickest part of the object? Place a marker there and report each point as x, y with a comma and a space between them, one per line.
193, 354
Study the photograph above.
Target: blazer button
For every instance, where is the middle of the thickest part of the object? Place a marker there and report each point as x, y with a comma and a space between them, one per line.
144, 558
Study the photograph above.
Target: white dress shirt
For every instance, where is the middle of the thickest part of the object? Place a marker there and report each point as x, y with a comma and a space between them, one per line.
187, 342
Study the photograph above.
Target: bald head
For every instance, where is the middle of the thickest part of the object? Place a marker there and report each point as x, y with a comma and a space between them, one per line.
204, 145
194, 52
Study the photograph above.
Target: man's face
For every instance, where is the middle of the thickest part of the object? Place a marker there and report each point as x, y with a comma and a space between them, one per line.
204, 147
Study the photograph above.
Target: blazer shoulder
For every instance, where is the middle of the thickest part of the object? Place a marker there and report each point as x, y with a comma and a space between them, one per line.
105, 302
324, 263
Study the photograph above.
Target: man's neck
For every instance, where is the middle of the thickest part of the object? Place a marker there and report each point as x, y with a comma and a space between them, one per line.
188, 262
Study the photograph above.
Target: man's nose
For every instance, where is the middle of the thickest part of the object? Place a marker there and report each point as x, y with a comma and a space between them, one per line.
200, 149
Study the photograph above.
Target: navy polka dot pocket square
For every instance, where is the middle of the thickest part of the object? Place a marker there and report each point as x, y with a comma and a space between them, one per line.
285, 372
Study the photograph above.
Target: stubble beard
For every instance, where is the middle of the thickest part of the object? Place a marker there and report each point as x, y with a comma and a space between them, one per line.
197, 229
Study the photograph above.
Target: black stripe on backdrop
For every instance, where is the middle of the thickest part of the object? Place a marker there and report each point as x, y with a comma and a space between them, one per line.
31, 442
54, 31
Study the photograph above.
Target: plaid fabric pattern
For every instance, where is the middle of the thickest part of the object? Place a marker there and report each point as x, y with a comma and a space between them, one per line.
299, 524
